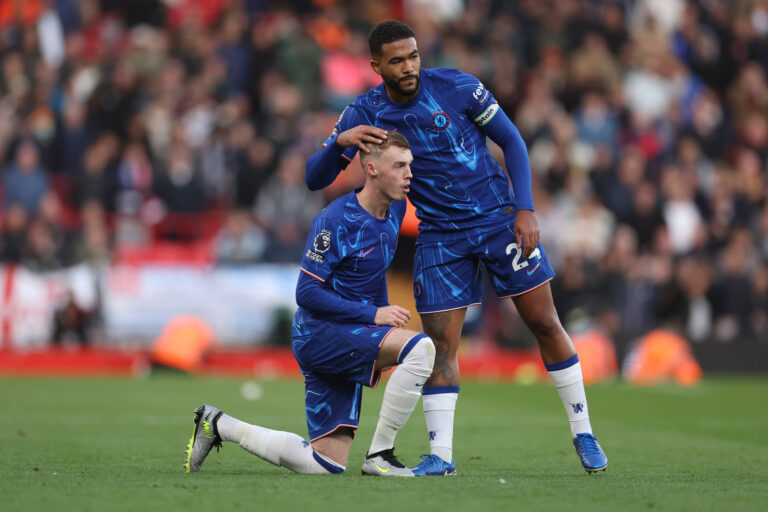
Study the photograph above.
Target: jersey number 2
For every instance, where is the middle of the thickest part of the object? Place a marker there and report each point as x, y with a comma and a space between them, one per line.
516, 263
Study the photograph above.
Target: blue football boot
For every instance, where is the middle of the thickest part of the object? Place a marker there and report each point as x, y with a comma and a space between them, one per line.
592, 457
432, 465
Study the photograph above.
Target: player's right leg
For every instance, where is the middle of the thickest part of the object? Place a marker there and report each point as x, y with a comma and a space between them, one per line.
441, 391
446, 281
280, 448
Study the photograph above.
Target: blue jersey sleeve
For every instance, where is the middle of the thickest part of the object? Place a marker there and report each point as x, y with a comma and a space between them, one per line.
312, 295
324, 166
501, 131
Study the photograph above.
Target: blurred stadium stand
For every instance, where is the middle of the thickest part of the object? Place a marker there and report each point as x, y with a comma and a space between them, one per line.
172, 134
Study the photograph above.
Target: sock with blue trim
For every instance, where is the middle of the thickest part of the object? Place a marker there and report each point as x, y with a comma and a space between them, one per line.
439, 408
403, 390
277, 447
568, 380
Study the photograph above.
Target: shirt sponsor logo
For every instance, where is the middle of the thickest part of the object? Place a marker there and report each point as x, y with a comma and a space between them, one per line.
487, 115
440, 120
323, 241
314, 256
481, 93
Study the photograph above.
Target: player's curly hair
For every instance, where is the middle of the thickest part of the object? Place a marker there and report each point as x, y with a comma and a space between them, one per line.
387, 32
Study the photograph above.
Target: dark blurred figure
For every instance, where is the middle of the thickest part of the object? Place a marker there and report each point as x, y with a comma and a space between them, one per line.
71, 323
180, 188
14, 234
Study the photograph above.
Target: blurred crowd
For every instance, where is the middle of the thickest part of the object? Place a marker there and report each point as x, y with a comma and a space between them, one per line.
127, 122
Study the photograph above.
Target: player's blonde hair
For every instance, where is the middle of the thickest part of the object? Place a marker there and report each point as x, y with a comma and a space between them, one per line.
394, 138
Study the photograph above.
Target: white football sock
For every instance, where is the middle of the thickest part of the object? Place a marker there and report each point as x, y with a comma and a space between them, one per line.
439, 408
570, 385
403, 391
275, 446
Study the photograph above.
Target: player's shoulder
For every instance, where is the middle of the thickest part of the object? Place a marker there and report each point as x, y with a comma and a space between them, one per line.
450, 77
374, 98
334, 212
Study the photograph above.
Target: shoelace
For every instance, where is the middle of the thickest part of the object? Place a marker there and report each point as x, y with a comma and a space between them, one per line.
589, 445
429, 461
389, 456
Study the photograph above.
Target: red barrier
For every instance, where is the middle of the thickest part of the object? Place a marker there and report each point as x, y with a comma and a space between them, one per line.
267, 362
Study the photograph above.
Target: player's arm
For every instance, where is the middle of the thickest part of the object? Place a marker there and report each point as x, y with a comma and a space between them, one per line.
350, 133
504, 133
311, 294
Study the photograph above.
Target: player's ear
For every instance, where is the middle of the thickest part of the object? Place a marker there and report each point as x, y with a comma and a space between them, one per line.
376, 67
370, 169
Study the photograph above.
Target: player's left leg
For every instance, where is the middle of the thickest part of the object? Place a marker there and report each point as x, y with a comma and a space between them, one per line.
414, 354
537, 309
274, 446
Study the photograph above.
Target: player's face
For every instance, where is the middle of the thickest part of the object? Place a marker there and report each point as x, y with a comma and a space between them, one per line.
399, 66
395, 172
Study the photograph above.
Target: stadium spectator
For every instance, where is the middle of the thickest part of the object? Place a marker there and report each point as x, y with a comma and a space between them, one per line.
285, 207
240, 240
25, 182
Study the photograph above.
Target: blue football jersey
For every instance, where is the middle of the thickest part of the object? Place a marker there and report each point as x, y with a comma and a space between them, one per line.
457, 184
349, 251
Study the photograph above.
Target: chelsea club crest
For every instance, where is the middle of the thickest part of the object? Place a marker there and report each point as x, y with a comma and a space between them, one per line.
440, 120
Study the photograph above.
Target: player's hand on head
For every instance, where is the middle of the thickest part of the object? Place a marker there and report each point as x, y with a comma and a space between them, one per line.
392, 315
360, 135
526, 231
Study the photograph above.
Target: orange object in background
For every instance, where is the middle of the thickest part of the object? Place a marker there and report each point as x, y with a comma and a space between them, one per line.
597, 356
183, 343
662, 356
24, 12
410, 226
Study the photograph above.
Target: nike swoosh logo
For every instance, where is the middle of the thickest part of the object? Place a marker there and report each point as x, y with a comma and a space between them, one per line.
363, 254
381, 468
534, 268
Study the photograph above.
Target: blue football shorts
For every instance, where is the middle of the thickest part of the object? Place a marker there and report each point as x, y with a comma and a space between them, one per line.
446, 273
337, 360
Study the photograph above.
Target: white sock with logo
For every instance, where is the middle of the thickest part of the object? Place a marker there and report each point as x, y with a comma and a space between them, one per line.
275, 446
569, 382
439, 409
403, 391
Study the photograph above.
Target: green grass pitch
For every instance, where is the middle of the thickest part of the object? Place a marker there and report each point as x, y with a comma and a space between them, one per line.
112, 444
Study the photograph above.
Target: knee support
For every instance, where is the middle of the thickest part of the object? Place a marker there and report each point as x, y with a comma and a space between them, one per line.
418, 355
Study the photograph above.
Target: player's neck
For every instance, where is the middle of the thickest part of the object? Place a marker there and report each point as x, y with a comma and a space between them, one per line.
374, 202
396, 97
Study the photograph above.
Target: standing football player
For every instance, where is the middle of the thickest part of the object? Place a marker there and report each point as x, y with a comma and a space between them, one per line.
469, 215
345, 333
